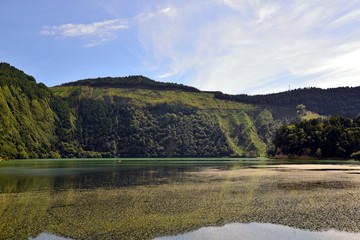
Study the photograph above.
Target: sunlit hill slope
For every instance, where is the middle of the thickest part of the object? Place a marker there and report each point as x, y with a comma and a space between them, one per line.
139, 117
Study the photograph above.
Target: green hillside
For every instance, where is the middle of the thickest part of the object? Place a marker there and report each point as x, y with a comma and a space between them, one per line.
131, 117
190, 123
336, 137
344, 101
138, 82
27, 123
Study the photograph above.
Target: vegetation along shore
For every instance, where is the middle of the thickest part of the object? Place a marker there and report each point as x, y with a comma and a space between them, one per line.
135, 116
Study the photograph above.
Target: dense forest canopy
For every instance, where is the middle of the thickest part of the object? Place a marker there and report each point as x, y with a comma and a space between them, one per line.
344, 101
131, 82
116, 130
138, 117
27, 123
337, 137
36, 123
11, 76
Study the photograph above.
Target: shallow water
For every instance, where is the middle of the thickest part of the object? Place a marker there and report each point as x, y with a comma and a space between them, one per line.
241, 231
48, 236
148, 198
261, 231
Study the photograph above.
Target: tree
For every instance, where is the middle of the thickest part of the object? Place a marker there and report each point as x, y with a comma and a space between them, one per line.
356, 155
300, 110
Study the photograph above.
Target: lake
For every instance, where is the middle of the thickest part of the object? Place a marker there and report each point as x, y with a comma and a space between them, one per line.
179, 199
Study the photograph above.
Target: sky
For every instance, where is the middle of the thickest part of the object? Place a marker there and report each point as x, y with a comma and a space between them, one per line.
233, 46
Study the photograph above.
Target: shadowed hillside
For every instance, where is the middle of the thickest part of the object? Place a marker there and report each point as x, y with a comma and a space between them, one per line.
344, 101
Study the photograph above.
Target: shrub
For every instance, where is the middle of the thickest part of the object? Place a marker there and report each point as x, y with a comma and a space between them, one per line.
356, 155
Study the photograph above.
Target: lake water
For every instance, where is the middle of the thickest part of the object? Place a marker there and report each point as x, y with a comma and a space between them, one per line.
178, 199
242, 231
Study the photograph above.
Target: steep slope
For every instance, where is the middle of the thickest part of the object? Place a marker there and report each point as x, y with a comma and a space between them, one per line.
130, 117
27, 123
170, 122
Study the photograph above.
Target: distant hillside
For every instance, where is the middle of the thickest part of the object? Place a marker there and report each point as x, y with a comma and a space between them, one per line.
168, 123
137, 82
344, 101
138, 117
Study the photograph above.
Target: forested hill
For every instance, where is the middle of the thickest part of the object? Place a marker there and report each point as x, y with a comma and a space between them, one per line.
136, 82
139, 117
27, 123
344, 101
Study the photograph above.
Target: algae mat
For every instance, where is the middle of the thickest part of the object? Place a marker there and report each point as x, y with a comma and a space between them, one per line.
137, 200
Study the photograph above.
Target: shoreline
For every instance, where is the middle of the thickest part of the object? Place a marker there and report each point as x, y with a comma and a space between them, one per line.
290, 157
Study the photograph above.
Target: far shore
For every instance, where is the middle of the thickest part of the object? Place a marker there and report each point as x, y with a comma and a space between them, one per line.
308, 158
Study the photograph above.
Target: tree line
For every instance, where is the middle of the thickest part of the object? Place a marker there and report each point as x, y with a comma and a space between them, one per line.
138, 81
344, 101
36, 124
336, 137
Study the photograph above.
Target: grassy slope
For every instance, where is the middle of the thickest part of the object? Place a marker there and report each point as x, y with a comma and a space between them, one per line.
237, 120
144, 97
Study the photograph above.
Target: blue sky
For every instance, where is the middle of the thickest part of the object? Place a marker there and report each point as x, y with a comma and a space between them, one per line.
234, 46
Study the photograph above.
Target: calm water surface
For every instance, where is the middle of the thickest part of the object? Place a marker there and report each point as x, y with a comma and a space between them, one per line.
91, 173
261, 231
62, 197
241, 231
61, 174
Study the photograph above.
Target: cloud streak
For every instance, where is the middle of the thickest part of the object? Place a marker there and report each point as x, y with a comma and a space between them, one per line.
247, 46
257, 46
95, 33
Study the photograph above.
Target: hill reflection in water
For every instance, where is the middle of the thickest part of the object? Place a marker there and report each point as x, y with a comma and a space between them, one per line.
260, 231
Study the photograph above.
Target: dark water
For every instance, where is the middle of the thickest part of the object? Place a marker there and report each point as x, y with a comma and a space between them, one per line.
45, 174
61, 174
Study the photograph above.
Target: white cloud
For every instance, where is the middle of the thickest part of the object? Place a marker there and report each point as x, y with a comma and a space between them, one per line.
237, 5
96, 32
267, 231
158, 32
265, 12
256, 44
169, 11
166, 75
353, 15
238, 46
